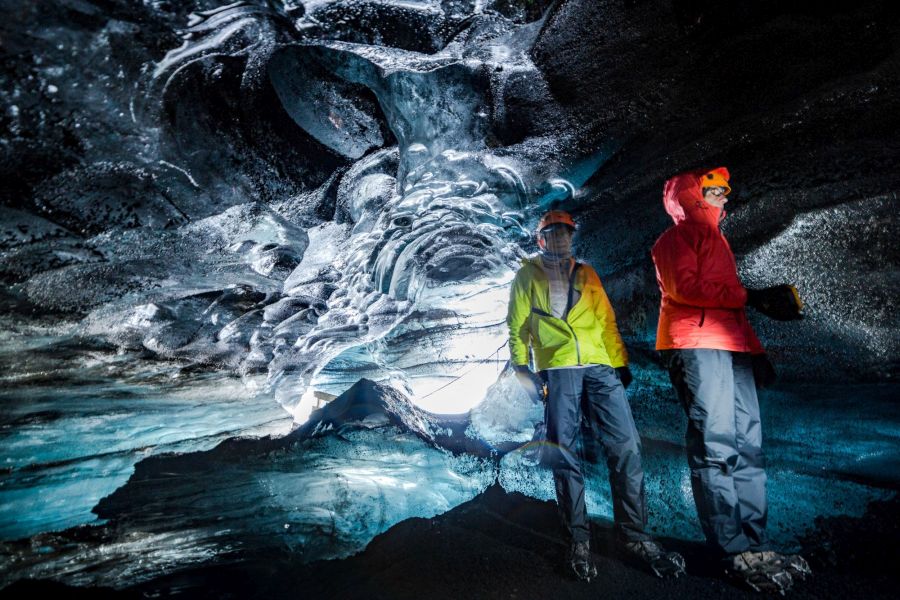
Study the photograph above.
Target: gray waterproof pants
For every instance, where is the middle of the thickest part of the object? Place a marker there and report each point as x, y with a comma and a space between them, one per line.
724, 445
607, 409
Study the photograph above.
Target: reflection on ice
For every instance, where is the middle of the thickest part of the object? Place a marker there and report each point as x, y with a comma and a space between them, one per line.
367, 462
75, 419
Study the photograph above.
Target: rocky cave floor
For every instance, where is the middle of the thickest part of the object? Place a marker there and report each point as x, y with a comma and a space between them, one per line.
502, 545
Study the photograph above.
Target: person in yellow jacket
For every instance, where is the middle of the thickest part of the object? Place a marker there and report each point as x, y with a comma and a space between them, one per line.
559, 312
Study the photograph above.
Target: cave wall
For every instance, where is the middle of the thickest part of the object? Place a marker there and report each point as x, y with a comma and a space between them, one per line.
798, 99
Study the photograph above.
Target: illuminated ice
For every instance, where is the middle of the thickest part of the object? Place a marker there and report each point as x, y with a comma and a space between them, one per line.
509, 412
426, 154
76, 422
434, 245
414, 236
363, 463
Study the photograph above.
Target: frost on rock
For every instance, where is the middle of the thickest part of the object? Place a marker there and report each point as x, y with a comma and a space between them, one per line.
196, 292
843, 326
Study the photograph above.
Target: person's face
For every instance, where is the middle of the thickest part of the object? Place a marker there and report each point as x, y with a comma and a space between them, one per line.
715, 196
558, 239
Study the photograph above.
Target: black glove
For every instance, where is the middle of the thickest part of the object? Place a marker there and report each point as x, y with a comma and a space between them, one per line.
781, 302
625, 377
763, 372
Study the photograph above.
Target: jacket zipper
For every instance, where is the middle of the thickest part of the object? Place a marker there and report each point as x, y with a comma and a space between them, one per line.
577, 346
569, 308
702, 317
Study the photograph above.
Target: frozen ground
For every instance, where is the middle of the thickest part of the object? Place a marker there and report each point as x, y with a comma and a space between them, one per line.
370, 460
75, 421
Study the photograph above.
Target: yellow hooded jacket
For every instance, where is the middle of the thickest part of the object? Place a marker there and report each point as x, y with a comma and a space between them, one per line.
588, 335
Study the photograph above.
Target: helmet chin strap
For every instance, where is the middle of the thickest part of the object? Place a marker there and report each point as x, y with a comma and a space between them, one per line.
555, 257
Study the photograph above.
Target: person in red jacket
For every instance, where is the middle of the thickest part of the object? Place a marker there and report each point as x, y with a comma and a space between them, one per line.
708, 344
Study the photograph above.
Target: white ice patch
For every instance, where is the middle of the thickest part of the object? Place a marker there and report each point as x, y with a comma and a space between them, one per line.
509, 412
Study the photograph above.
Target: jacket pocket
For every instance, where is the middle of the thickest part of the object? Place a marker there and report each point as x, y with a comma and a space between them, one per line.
549, 334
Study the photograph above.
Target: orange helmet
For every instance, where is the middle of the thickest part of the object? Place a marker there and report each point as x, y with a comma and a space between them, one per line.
554, 217
716, 178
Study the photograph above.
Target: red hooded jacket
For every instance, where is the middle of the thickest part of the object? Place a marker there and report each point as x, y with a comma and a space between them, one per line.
702, 298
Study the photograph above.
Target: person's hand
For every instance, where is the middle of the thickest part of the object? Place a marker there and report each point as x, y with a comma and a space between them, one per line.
764, 373
780, 302
625, 376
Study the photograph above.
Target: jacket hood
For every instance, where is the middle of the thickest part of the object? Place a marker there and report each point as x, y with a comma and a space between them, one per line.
683, 198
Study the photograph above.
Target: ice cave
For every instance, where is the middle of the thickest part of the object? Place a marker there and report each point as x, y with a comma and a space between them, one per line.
255, 268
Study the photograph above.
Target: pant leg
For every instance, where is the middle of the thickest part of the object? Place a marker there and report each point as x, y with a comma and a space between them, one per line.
705, 382
563, 423
608, 408
749, 473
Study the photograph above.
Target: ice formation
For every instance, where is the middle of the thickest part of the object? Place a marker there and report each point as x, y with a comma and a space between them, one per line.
361, 464
222, 212
432, 228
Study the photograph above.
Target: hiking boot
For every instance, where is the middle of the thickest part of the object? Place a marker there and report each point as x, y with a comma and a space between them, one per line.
760, 571
650, 554
794, 564
581, 562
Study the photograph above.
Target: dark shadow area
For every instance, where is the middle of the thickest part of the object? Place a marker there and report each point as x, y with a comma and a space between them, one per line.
502, 545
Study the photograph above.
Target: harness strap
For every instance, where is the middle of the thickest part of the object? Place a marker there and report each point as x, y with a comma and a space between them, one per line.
571, 290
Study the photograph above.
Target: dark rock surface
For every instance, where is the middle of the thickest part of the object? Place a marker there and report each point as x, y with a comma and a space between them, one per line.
797, 100
120, 151
503, 545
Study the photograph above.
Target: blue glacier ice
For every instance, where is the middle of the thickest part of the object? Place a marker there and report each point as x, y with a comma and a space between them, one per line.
361, 464
257, 301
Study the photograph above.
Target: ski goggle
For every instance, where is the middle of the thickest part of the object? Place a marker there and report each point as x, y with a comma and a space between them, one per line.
556, 227
718, 192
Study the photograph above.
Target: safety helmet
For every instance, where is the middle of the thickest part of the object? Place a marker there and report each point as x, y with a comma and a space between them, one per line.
555, 217
716, 178
550, 218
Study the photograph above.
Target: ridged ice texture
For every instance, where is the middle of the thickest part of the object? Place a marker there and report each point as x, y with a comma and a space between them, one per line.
312, 191
430, 260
